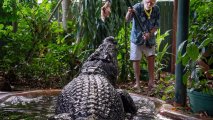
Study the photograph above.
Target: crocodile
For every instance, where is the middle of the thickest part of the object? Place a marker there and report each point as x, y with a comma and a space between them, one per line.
92, 94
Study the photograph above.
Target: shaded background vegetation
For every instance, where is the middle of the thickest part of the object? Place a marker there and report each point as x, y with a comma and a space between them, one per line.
39, 51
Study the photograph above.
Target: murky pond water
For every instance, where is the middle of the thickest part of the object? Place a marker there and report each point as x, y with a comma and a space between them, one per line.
19, 107
22, 107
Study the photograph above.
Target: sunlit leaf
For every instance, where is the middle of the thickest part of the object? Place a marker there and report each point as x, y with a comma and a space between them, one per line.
192, 51
185, 59
205, 42
180, 48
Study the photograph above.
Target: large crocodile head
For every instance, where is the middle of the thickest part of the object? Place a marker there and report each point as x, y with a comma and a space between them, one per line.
103, 60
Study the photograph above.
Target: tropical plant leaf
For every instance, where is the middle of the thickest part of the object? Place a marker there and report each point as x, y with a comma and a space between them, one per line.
192, 51
180, 48
185, 59
186, 77
205, 43
169, 89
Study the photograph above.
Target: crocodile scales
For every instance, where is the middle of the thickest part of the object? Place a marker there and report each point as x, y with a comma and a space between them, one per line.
91, 95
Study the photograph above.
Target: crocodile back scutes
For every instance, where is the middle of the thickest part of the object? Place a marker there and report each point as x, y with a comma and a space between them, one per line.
92, 95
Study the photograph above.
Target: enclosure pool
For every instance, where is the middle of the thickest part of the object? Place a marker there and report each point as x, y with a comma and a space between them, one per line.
40, 105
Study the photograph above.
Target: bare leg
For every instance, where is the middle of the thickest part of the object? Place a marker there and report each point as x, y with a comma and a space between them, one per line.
136, 67
151, 69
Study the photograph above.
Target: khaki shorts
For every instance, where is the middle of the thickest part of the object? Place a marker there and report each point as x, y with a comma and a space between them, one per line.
136, 51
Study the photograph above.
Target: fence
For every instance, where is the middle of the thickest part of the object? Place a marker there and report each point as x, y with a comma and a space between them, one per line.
166, 23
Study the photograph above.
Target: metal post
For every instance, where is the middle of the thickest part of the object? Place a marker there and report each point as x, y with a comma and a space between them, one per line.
182, 34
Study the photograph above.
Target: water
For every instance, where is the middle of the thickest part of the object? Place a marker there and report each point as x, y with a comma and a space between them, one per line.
42, 107
19, 107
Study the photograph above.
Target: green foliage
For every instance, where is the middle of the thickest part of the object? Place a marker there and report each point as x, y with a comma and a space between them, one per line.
8, 10
124, 63
160, 60
200, 36
165, 87
201, 20
5, 30
39, 50
8, 5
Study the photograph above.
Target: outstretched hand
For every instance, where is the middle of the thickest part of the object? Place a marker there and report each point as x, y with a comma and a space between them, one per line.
105, 10
129, 13
131, 10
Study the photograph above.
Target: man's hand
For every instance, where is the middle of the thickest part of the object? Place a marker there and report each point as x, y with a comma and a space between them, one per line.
146, 36
129, 14
105, 10
130, 10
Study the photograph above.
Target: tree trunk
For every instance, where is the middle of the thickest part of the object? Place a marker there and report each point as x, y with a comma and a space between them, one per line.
65, 13
15, 26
